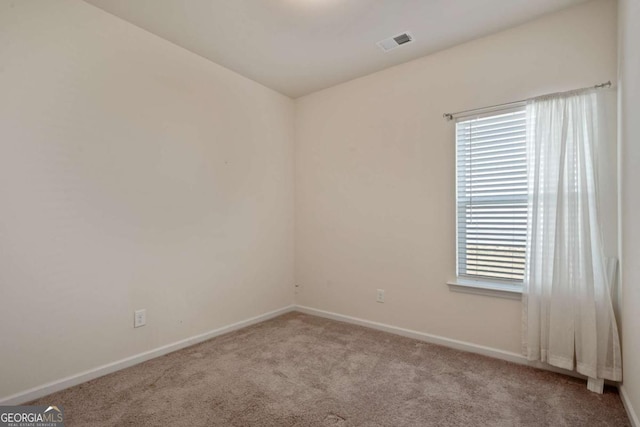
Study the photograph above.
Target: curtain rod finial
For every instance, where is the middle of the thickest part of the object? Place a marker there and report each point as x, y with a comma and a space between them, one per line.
607, 84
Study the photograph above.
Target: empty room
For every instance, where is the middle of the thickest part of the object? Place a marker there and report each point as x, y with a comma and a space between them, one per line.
319, 213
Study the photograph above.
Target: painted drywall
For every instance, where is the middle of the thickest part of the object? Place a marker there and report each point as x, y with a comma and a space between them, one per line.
629, 91
133, 174
375, 194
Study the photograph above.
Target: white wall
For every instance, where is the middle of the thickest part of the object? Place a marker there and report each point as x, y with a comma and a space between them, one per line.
133, 174
375, 173
629, 90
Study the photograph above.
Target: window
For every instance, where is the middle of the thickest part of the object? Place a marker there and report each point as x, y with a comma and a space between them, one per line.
492, 196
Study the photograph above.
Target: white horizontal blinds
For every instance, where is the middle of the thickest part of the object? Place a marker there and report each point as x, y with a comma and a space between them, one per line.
492, 195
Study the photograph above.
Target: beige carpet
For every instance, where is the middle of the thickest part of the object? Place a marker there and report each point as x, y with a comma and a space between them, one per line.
300, 370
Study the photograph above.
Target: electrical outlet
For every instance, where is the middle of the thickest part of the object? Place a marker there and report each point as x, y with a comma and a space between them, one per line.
380, 295
139, 318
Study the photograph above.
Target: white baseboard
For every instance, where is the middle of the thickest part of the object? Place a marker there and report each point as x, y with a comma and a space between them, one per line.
443, 341
61, 384
633, 416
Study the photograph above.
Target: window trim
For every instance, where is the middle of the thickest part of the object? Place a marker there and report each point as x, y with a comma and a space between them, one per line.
486, 288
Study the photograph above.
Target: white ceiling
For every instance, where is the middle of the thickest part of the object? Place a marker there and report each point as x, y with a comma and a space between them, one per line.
299, 46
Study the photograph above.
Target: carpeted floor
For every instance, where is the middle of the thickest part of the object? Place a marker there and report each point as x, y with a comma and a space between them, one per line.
300, 370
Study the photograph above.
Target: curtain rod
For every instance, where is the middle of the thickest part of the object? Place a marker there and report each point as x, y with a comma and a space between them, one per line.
450, 116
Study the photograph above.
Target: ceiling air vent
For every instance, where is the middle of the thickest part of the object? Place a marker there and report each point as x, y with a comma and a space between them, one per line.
395, 41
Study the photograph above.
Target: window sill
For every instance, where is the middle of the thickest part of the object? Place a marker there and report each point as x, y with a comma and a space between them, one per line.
500, 290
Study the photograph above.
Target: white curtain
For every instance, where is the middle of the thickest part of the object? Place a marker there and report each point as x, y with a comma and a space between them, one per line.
568, 317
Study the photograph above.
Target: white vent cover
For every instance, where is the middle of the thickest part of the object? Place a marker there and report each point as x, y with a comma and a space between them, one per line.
395, 41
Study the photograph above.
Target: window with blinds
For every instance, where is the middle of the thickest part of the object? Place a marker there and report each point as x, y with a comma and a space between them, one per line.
492, 195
